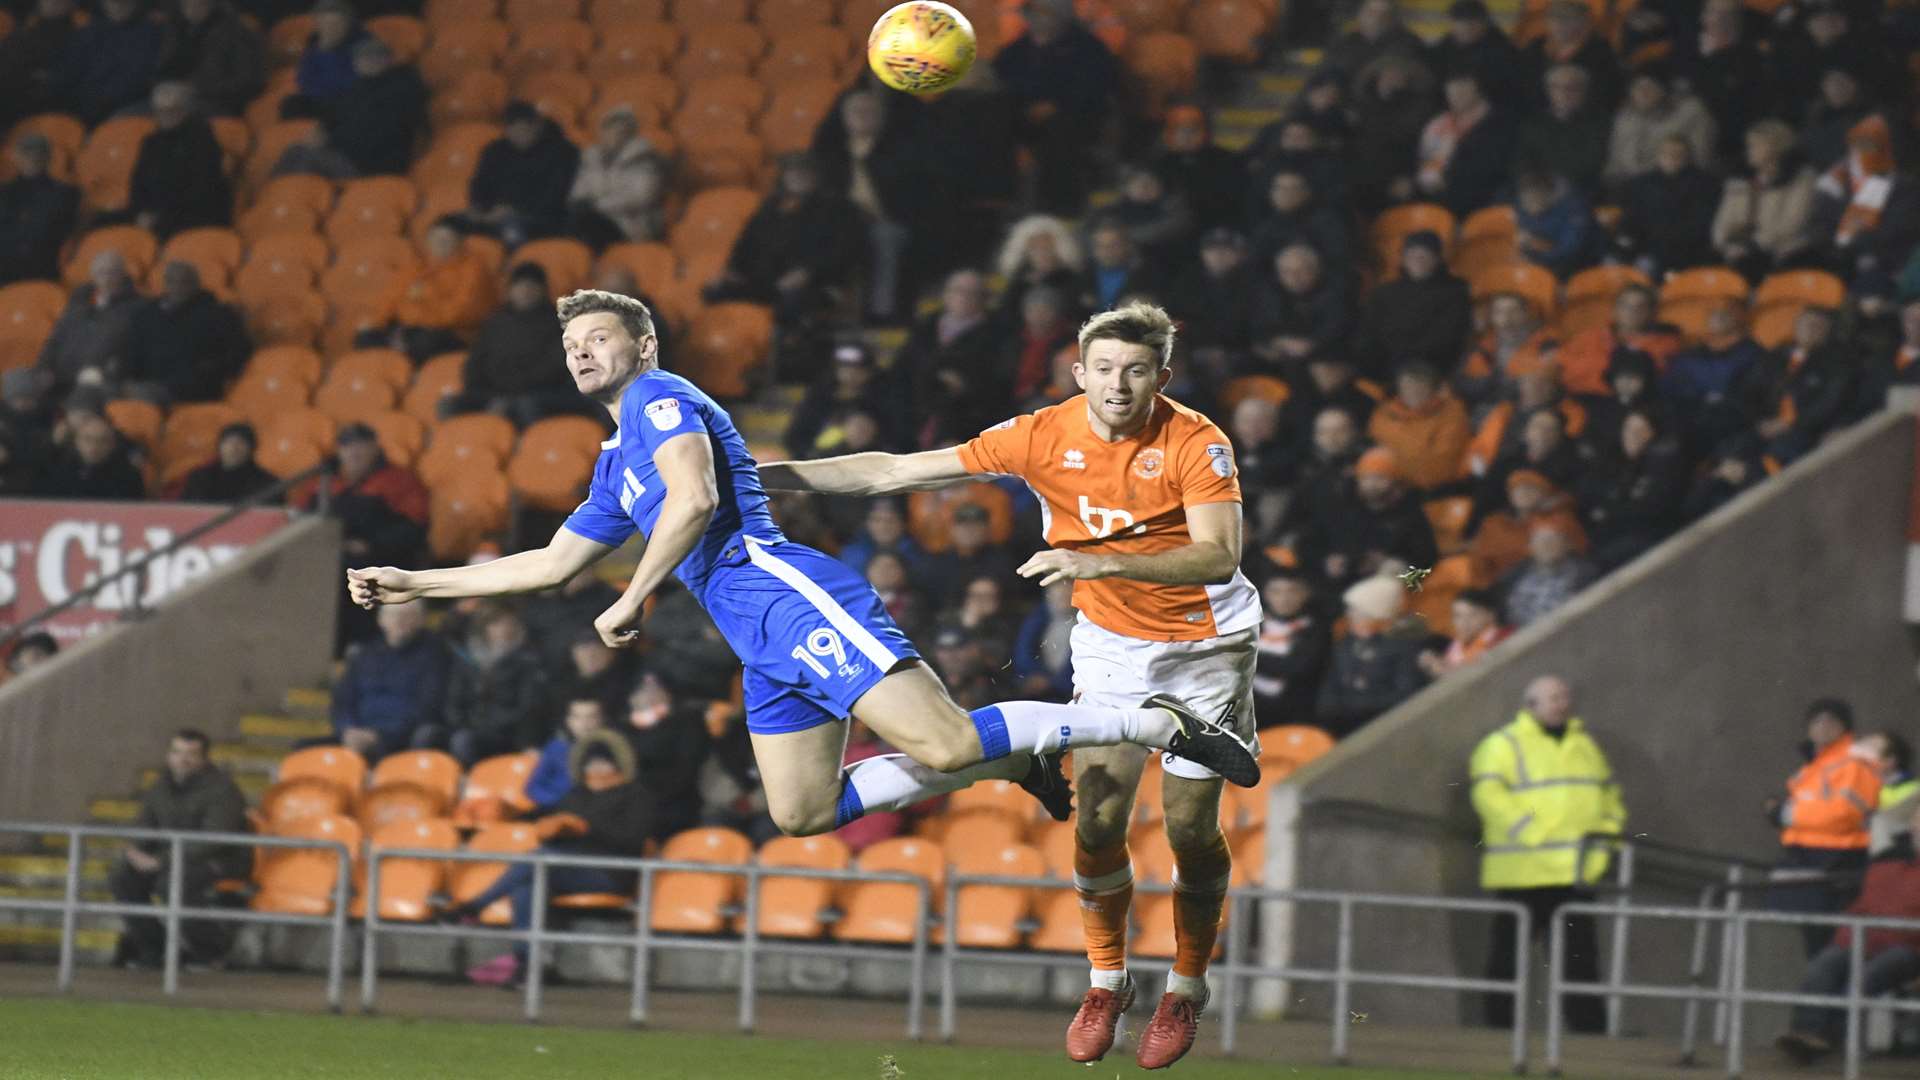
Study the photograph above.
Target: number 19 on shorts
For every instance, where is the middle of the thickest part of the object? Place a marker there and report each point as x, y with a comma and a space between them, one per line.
822, 645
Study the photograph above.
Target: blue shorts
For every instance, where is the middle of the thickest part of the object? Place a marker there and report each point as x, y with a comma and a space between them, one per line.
813, 635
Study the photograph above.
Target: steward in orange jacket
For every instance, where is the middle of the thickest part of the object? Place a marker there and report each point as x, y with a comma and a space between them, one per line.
1824, 820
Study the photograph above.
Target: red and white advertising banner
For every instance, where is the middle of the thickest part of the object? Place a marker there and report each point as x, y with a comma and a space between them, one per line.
52, 549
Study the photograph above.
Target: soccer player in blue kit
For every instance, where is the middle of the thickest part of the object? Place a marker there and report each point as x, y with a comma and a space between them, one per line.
817, 643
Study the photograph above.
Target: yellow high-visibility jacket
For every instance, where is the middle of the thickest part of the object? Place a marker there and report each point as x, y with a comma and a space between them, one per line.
1537, 796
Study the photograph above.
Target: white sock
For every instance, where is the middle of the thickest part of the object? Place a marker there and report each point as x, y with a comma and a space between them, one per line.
1191, 987
1038, 727
1115, 981
896, 781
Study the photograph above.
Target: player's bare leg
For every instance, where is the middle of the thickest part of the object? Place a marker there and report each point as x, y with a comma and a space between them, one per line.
1202, 867
1106, 778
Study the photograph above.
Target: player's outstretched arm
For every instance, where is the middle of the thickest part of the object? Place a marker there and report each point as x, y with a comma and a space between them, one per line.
565, 555
868, 474
1211, 559
693, 493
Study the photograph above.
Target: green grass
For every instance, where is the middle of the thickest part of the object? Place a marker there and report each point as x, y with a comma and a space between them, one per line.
66, 1040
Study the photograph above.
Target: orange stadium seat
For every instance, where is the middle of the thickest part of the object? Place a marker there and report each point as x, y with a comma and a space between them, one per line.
1392, 227
989, 916
453, 154
719, 49
549, 44
430, 770
268, 144
1166, 63
264, 110
496, 787
1449, 517
696, 12
137, 421
885, 911
444, 12
401, 436
63, 131
635, 48
688, 902
1690, 316
353, 398
1230, 30
135, 245
466, 442
296, 362
723, 159
293, 317
794, 111
267, 395
553, 463
568, 91
987, 829
293, 439
1298, 744
1148, 804
464, 46
1602, 283
297, 799
1001, 796
404, 34
475, 96
216, 252
466, 880
439, 377
385, 804
1488, 238
287, 39
652, 265
726, 344
1243, 806
612, 14
1152, 857
282, 262
1800, 288
301, 881
275, 220
930, 513
805, 52
1715, 283
377, 199
407, 885
791, 907
712, 221
650, 96
27, 313
1147, 16
1536, 283
104, 168
186, 443
741, 94
1054, 840
567, 262
462, 511
379, 365
1269, 388
364, 269
336, 765
521, 12
1772, 327
793, 13
1060, 930
235, 139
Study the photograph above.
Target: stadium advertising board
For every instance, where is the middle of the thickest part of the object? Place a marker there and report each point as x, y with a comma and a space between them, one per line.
52, 549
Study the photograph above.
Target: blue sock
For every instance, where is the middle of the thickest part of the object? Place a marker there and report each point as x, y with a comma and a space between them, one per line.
849, 808
991, 723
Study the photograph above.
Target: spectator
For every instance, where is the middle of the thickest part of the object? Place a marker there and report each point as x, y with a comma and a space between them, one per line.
382, 510
1042, 657
1291, 654
30, 58
670, 743
552, 779
1666, 221
1556, 226
1117, 269
971, 554
179, 179
1656, 110
27, 419
36, 213
1734, 467
1549, 578
1765, 218
520, 186
982, 612
1534, 430
1890, 890
96, 466
1376, 32
211, 48
1823, 821
497, 691
1727, 69
887, 573
964, 667
884, 530
1476, 630
1293, 143
589, 669
30, 652
1322, 106
376, 122
1892, 758
516, 367
232, 475
185, 344
620, 192
1393, 102
1475, 47
1570, 41
868, 829
1295, 216
1214, 299
1827, 40
1540, 784
1421, 314
1264, 460
1045, 332
109, 63
1330, 383
1633, 385
1464, 151
1798, 392
1583, 362
855, 384
1515, 345
435, 308
1839, 108
801, 246
189, 795
314, 155
1324, 473
1376, 666
957, 363
688, 650
1299, 312
558, 619
1424, 426
392, 694
1895, 365
1704, 382
1060, 76
1157, 219
1378, 521
1864, 212
1568, 137
1500, 544
607, 813
1632, 494
884, 166
325, 70
1206, 175
1038, 251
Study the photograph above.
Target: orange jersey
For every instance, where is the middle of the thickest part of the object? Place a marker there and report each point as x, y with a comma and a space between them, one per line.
1126, 498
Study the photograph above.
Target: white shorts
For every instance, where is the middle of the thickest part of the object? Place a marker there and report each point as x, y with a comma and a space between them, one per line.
1213, 675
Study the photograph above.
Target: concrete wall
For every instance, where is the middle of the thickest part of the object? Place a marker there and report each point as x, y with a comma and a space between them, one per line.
85, 723
1691, 667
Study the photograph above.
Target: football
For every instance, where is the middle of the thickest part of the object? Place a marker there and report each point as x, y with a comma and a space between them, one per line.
921, 47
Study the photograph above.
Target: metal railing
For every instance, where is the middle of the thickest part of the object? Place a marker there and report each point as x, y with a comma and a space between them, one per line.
268, 498
1235, 969
174, 910
1734, 993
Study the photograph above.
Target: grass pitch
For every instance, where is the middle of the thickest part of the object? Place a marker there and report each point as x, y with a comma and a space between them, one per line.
68, 1040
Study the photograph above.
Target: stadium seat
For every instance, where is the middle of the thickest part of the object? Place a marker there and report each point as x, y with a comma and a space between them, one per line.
1148, 801
364, 270
688, 902
63, 131
1450, 517
1393, 225
466, 880
1296, 743
1061, 929
1249, 846
1003, 796
272, 220
461, 440
287, 39
292, 317
1800, 288
135, 245
1054, 840
719, 49
269, 143
794, 111
804, 52
567, 262
352, 397
711, 222
376, 200
466, 510
1589, 294
717, 95
1230, 30
496, 787
236, 142
548, 45
989, 916
401, 436
104, 169
293, 439
1152, 857
1690, 316
407, 885
1269, 388
445, 12
404, 34
1166, 63
302, 797
697, 12
791, 907
721, 159
430, 770
300, 881
522, 12
930, 513
652, 265
1536, 283
785, 13
1703, 283
475, 96
386, 366
186, 443
137, 421
1147, 16
216, 252
296, 362
613, 14
264, 110
554, 461
633, 49
885, 911
1244, 806
398, 801
281, 262
467, 45
1488, 238
264, 394
437, 378
27, 313
727, 343
452, 155
987, 828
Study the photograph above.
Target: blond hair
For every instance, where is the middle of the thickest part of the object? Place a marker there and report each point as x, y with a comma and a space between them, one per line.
1135, 323
633, 314
1013, 252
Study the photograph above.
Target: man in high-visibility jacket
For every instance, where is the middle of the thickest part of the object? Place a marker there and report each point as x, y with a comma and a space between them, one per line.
1824, 821
1540, 784
1892, 757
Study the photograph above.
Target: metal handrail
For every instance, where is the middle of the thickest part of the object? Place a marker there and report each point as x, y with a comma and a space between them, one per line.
139, 562
1665, 848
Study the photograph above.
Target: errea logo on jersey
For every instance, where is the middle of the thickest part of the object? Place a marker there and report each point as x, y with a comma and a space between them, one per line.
1102, 522
1073, 459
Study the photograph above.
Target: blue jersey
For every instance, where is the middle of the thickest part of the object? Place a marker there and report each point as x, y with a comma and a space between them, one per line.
813, 635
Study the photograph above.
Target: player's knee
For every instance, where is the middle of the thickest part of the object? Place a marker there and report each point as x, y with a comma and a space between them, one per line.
1188, 830
1102, 825
802, 820
947, 748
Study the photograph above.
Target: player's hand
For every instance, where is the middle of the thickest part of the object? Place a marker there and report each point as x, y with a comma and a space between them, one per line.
1054, 565
375, 585
619, 625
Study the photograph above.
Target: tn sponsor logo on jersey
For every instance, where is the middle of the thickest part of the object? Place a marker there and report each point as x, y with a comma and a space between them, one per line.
630, 490
1102, 522
665, 413
1073, 459
1148, 463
